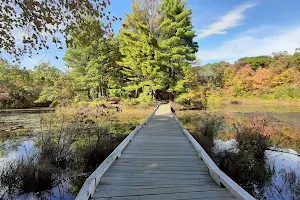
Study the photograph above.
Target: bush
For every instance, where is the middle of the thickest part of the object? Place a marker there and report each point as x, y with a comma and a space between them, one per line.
145, 98
214, 100
251, 140
207, 130
247, 164
95, 145
254, 137
36, 178
246, 170
229, 165
210, 126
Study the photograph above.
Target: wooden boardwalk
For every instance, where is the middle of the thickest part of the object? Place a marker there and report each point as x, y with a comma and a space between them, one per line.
160, 163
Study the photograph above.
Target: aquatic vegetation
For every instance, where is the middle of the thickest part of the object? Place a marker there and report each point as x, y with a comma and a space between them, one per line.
27, 174
208, 128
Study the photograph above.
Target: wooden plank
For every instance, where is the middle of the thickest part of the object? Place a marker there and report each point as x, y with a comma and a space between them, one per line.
158, 171
155, 153
177, 196
165, 164
127, 175
156, 182
119, 192
104, 188
147, 148
163, 157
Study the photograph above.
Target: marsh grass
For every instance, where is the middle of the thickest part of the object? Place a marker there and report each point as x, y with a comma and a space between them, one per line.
207, 129
28, 174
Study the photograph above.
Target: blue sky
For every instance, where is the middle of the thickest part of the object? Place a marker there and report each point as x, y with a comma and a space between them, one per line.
226, 29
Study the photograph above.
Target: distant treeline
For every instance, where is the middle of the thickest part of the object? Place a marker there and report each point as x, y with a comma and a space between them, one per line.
267, 77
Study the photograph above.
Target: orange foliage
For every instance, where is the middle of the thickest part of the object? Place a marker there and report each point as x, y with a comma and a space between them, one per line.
261, 79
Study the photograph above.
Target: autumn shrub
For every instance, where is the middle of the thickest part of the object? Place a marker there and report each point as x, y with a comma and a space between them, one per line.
210, 126
254, 136
247, 164
56, 148
39, 177
227, 162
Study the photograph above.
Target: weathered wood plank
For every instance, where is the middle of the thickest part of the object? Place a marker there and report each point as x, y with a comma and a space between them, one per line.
104, 188
120, 175
154, 164
159, 171
155, 182
183, 195
118, 192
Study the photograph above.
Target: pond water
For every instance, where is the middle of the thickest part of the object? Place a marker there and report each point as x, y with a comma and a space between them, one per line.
21, 149
21, 122
18, 128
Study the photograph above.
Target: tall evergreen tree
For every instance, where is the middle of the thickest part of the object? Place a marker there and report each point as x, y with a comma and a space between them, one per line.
140, 49
176, 42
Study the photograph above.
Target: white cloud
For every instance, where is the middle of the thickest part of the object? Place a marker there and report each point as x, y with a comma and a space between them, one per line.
248, 44
232, 19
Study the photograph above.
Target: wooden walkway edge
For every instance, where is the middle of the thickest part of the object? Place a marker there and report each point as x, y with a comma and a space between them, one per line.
161, 162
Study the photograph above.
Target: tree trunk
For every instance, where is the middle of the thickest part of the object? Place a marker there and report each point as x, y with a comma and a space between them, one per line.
89, 94
99, 92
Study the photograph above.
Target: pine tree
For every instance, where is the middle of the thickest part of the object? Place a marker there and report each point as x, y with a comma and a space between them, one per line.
176, 42
139, 46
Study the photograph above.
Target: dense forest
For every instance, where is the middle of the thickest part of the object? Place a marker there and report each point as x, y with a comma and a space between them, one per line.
266, 77
150, 59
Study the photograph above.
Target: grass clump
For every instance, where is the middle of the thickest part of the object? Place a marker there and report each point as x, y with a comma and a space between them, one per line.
95, 145
207, 130
30, 174
253, 142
